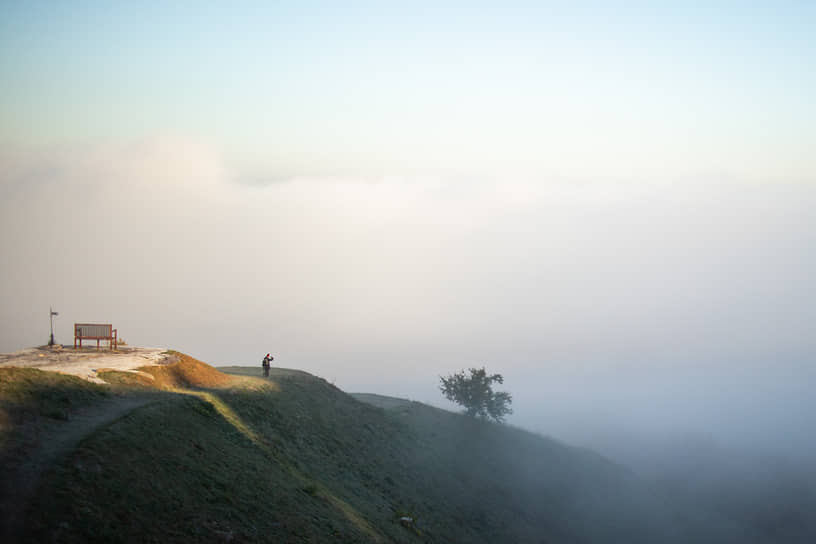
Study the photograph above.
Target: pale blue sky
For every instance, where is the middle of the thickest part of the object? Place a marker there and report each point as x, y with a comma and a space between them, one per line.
631, 89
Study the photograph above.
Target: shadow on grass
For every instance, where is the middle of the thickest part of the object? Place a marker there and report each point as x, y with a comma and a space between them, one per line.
310, 486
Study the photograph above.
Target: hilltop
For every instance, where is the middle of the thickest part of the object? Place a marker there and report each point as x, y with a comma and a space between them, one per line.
85, 362
220, 455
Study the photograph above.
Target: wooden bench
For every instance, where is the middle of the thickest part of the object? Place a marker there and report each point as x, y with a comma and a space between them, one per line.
95, 331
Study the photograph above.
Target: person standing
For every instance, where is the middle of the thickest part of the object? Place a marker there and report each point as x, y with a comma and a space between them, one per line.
266, 364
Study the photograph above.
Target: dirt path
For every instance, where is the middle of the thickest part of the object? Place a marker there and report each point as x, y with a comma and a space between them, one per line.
20, 480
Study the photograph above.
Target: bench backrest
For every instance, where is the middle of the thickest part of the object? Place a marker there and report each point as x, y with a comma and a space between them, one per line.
93, 331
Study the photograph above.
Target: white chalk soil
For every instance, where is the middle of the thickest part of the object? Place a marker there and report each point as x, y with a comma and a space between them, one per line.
86, 362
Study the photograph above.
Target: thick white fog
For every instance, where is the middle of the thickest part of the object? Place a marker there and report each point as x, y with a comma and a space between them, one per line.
651, 306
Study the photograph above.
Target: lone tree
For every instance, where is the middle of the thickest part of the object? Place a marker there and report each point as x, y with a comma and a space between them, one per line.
476, 394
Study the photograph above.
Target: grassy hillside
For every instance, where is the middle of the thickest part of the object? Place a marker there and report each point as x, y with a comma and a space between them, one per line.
216, 458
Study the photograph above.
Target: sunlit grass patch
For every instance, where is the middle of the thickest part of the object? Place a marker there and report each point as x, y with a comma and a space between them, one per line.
255, 385
186, 371
128, 379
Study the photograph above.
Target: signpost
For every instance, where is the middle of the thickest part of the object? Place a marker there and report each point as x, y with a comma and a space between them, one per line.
51, 315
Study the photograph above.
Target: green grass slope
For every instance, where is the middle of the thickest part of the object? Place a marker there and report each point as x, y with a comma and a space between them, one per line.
294, 459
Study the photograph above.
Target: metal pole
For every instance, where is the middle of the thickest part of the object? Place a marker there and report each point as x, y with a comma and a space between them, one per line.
51, 314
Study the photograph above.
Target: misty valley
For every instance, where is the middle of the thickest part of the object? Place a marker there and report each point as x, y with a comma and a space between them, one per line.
182, 451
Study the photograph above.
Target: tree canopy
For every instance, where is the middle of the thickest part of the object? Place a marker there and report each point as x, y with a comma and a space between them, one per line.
475, 393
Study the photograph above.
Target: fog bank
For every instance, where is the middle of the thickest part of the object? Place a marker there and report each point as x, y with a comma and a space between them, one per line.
653, 304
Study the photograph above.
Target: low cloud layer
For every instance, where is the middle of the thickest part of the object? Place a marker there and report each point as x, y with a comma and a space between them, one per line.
680, 303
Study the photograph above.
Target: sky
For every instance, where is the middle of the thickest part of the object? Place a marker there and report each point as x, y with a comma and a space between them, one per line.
609, 203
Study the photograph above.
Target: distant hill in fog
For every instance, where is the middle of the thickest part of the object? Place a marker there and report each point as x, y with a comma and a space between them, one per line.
294, 459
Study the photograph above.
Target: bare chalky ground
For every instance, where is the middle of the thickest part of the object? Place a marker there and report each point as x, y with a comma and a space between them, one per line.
85, 362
